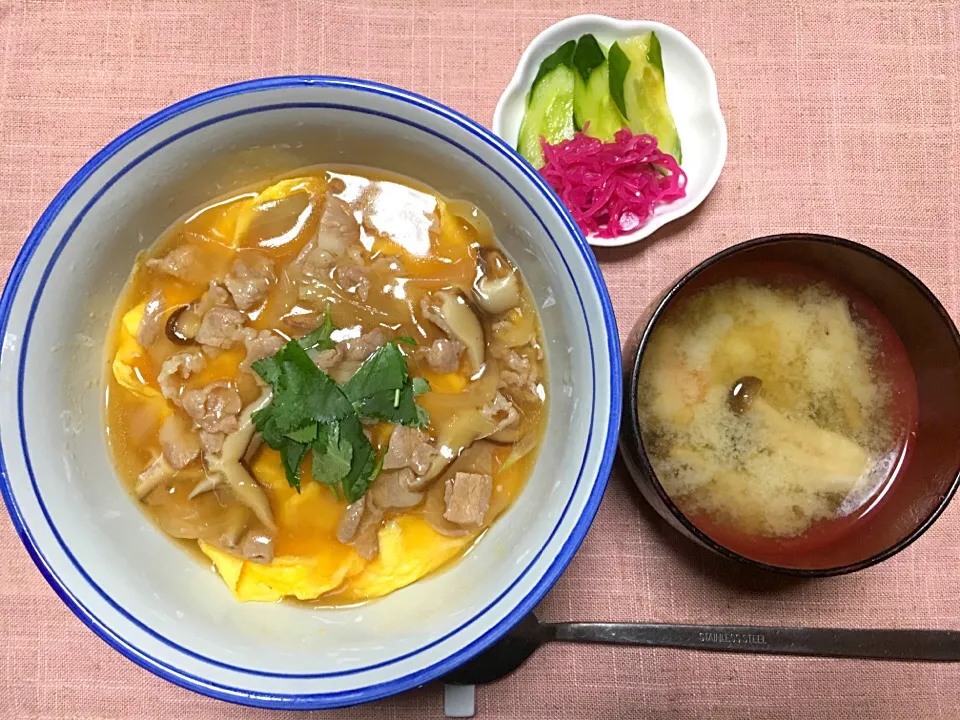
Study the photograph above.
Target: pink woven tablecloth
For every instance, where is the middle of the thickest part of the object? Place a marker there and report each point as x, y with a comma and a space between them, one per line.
844, 117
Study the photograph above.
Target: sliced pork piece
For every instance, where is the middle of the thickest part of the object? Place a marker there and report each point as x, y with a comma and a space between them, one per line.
467, 497
389, 265
443, 355
259, 345
215, 295
239, 535
183, 324
249, 281
350, 521
214, 409
313, 261
244, 537
338, 227
178, 367
353, 278
519, 372
303, 321
180, 446
408, 448
177, 262
343, 371
327, 360
355, 254
337, 231
257, 545
364, 346
212, 442
151, 325
391, 490
502, 412
220, 327
360, 527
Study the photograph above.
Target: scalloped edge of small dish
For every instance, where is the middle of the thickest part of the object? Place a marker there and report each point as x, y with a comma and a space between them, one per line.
570, 29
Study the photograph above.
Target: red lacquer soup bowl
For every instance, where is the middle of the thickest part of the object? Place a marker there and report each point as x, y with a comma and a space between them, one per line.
916, 353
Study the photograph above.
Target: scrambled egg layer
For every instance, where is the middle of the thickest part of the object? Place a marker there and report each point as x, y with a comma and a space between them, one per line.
311, 562
129, 352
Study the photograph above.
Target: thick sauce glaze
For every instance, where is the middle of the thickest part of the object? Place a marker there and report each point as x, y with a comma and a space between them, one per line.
409, 243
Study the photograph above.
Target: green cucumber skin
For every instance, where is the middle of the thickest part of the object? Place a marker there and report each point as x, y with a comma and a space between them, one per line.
576, 86
644, 92
594, 110
588, 56
549, 114
563, 55
619, 65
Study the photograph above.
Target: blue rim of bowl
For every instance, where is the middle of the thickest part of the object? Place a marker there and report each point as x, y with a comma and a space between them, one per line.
567, 550
48, 269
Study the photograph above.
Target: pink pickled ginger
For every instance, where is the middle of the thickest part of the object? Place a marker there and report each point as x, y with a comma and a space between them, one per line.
612, 188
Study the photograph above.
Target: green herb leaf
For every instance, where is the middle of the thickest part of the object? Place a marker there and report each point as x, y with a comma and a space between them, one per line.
619, 65
364, 465
588, 56
311, 412
270, 368
386, 369
265, 422
305, 435
563, 55
332, 456
319, 339
420, 386
396, 406
291, 455
302, 392
405, 339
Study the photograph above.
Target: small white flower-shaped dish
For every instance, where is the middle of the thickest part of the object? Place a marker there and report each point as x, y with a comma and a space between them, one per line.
691, 94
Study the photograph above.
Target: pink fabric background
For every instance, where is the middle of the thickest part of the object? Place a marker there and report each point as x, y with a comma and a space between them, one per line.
844, 117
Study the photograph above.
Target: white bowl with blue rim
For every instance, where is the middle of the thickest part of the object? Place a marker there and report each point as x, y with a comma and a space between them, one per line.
691, 94
134, 587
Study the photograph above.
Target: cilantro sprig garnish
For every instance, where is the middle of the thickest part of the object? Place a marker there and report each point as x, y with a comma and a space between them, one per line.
310, 412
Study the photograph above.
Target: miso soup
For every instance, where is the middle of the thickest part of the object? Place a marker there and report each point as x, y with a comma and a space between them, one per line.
776, 409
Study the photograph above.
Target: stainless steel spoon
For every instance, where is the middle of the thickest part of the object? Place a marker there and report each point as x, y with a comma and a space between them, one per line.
512, 650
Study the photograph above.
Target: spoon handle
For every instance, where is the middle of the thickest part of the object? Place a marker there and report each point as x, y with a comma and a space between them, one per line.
931, 645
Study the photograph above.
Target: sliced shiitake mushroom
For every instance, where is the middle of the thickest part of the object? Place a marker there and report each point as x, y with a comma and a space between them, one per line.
227, 466
450, 311
182, 325
460, 432
743, 392
157, 473
497, 287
